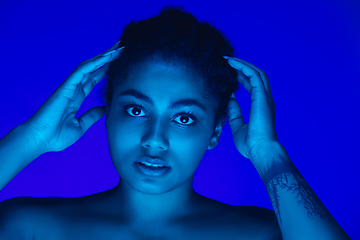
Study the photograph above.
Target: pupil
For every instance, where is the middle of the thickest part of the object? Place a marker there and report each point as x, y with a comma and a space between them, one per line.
134, 112
182, 118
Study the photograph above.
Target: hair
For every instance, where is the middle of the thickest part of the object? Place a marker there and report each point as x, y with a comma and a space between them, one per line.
176, 36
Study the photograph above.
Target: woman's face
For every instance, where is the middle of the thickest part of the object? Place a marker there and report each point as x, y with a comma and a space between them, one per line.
144, 119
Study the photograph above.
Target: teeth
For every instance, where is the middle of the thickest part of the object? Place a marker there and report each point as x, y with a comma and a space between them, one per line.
152, 165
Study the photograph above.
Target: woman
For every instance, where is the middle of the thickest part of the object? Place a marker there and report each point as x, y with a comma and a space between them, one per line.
170, 88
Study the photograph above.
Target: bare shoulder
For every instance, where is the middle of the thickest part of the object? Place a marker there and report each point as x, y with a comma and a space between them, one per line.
41, 205
57, 217
26, 217
23, 217
257, 222
256, 214
245, 222
17, 217
259, 218
262, 218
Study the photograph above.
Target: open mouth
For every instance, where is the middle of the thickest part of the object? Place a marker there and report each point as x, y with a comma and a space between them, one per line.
152, 170
152, 165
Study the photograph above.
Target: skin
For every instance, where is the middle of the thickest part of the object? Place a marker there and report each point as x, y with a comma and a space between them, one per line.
145, 203
154, 130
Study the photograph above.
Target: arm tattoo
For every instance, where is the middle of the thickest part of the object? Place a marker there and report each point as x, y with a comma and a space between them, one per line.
287, 177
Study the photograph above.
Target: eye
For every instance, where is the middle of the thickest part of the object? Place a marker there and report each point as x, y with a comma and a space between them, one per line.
136, 109
185, 118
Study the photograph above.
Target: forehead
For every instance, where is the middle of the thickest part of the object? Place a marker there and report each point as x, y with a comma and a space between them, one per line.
161, 79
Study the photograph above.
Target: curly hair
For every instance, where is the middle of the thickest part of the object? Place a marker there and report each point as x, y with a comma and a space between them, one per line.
178, 37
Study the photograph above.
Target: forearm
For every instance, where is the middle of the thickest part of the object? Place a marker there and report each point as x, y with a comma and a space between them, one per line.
17, 150
300, 213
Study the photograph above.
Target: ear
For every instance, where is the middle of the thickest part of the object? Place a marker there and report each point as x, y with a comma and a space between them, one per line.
216, 137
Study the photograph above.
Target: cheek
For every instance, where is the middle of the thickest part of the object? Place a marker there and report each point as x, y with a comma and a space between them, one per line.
190, 145
125, 134
190, 140
188, 152
120, 138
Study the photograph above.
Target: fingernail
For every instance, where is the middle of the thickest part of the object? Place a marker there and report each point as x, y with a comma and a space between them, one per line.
226, 57
113, 51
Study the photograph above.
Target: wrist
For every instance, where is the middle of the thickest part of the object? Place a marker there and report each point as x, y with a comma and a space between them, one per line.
30, 141
17, 150
271, 161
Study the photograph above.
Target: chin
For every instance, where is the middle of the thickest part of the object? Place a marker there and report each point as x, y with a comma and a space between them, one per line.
148, 187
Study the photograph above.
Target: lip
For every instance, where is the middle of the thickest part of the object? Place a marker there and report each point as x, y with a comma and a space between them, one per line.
152, 172
153, 161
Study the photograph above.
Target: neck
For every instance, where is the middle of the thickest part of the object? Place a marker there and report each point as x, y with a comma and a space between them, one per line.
140, 208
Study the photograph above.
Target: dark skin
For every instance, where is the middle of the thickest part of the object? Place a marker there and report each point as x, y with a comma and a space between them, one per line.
139, 205
171, 145
160, 133
300, 213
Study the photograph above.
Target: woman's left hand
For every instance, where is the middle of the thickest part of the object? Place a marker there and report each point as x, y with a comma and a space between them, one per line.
255, 139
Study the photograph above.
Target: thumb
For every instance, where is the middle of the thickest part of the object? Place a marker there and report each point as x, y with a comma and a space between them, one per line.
236, 120
90, 117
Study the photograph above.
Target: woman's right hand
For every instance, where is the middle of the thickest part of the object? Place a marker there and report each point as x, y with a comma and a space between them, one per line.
54, 125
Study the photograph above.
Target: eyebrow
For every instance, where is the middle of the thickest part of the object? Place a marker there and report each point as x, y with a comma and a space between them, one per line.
181, 103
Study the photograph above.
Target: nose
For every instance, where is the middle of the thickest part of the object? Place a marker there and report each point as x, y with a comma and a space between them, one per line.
154, 138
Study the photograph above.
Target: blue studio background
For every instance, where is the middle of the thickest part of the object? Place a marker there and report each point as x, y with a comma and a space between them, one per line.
310, 51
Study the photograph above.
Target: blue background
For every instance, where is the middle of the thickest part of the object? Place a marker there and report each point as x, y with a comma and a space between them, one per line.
310, 51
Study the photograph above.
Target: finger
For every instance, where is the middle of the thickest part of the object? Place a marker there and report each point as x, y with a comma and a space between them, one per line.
68, 88
83, 91
112, 55
67, 91
89, 66
78, 99
113, 47
264, 77
94, 78
90, 117
244, 80
235, 116
257, 88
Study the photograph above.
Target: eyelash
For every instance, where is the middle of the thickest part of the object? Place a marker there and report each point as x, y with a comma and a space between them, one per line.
187, 114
